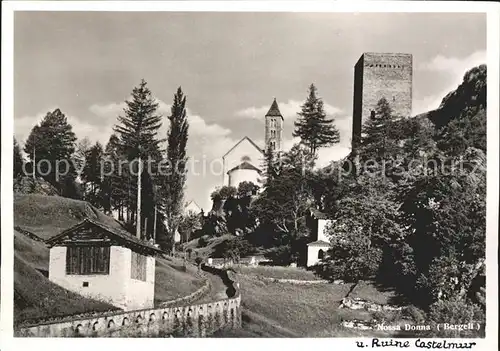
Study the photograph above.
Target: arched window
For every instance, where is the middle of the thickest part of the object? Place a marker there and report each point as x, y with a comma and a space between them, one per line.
372, 114
321, 254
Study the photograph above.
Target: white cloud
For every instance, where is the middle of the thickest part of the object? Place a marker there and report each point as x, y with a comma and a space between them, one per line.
108, 110
455, 65
453, 70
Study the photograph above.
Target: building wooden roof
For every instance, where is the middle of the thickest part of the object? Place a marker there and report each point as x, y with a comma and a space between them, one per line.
80, 233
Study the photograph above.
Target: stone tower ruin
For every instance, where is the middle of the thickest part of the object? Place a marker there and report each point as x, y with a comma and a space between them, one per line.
378, 75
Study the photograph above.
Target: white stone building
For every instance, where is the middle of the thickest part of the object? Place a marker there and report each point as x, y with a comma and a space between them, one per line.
104, 263
318, 249
244, 160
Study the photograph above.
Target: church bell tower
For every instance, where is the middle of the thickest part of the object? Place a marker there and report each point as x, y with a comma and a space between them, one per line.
274, 128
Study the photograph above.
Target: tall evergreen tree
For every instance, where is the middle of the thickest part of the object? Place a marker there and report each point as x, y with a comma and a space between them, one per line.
82, 146
137, 138
269, 165
91, 174
18, 160
138, 128
114, 191
313, 128
53, 142
379, 138
174, 182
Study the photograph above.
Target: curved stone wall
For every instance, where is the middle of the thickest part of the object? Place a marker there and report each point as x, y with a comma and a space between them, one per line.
197, 320
184, 321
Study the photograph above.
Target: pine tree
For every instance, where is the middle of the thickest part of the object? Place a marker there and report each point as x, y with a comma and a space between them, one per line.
174, 182
312, 127
269, 165
378, 140
138, 128
18, 160
52, 142
114, 193
137, 139
91, 174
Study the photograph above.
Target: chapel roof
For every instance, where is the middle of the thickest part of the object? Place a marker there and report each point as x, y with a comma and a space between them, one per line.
239, 142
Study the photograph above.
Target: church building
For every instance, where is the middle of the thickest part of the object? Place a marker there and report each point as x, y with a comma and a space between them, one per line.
243, 162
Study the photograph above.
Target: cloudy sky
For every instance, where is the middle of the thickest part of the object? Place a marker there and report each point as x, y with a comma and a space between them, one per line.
230, 65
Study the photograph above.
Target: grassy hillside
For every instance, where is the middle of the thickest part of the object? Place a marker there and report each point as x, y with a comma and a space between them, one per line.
171, 282
297, 273
38, 298
211, 244
301, 311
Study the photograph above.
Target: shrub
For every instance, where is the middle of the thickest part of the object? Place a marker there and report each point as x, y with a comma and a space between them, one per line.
202, 242
457, 311
415, 313
363, 265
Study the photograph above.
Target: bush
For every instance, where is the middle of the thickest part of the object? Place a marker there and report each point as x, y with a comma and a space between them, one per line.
362, 266
457, 311
415, 313
281, 255
202, 242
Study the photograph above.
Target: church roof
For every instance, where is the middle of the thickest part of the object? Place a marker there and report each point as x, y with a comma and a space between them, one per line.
274, 110
244, 165
239, 142
192, 203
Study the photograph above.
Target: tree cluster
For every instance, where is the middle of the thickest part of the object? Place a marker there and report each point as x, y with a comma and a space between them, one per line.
415, 219
108, 176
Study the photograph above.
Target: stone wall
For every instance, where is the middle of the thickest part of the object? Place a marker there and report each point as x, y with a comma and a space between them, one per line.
389, 76
378, 75
195, 320
184, 321
246, 261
